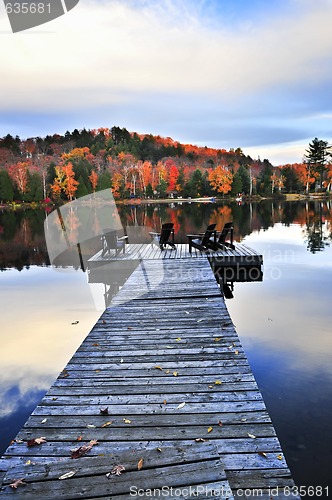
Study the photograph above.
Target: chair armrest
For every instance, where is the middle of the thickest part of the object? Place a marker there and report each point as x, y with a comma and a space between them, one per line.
193, 235
123, 238
154, 233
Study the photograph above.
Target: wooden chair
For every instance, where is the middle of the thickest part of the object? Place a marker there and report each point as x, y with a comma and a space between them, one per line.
226, 233
203, 241
166, 236
111, 242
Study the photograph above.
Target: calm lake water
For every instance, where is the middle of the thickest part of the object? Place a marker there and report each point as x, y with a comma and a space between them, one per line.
284, 322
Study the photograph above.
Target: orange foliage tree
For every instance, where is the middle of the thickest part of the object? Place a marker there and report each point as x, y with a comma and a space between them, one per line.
221, 179
93, 178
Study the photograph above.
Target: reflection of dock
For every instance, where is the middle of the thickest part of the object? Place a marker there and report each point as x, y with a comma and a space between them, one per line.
164, 386
229, 265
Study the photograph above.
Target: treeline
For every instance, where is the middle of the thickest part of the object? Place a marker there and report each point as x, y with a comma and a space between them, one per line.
63, 167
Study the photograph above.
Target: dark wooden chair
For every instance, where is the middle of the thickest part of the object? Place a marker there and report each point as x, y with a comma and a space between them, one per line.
225, 234
111, 242
166, 236
203, 241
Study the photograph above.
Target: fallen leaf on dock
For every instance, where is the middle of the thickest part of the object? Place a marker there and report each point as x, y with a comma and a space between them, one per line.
187, 312
36, 441
210, 386
91, 426
104, 411
167, 371
200, 440
127, 421
251, 436
165, 402
236, 352
79, 438
95, 345
140, 463
17, 483
178, 339
181, 405
217, 339
159, 449
218, 382
210, 429
117, 470
175, 374
262, 454
200, 320
82, 450
220, 423
67, 475
158, 367
64, 374
107, 424
279, 457
44, 421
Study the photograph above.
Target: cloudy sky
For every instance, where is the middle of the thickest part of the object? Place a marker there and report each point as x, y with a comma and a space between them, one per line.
254, 74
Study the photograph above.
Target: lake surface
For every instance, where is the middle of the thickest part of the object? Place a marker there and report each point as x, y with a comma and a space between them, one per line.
284, 322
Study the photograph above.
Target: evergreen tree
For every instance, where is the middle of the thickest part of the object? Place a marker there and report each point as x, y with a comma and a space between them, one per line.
6, 187
82, 189
104, 181
316, 157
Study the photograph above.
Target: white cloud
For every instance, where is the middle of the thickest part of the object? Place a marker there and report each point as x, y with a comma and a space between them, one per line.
100, 52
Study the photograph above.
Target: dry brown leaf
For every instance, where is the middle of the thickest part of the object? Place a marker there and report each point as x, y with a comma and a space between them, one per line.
96, 344
82, 450
165, 402
17, 483
279, 457
251, 436
236, 352
262, 454
140, 463
220, 423
181, 405
79, 438
127, 421
210, 429
217, 339
218, 382
178, 339
34, 442
200, 440
167, 371
117, 470
107, 424
175, 374
97, 371
158, 367
159, 449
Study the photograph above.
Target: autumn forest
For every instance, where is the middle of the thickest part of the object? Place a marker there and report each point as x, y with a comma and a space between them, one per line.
63, 167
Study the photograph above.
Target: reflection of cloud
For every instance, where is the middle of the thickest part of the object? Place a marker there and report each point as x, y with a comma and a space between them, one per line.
16, 394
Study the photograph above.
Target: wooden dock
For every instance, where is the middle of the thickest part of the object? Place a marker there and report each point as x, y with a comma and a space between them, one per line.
163, 385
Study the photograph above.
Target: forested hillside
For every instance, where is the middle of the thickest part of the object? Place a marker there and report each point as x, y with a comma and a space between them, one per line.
64, 167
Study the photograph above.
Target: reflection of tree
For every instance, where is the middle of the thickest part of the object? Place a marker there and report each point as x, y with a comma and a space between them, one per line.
315, 238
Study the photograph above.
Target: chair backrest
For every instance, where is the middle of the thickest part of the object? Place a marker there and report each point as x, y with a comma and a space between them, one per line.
228, 227
166, 230
110, 237
208, 233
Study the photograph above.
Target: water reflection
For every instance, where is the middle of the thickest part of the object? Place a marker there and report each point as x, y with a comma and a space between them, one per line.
283, 322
